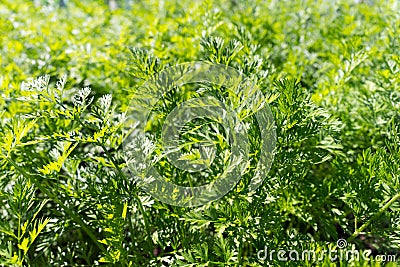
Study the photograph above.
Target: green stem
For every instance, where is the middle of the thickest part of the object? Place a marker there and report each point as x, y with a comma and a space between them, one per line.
19, 236
78, 220
122, 175
139, 202
375, 216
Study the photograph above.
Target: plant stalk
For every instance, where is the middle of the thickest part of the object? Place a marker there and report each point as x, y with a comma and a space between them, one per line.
375, 216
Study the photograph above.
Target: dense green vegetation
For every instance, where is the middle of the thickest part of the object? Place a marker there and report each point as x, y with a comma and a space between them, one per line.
329, 71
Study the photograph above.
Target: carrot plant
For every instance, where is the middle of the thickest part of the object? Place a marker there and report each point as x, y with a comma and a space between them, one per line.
329, 72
